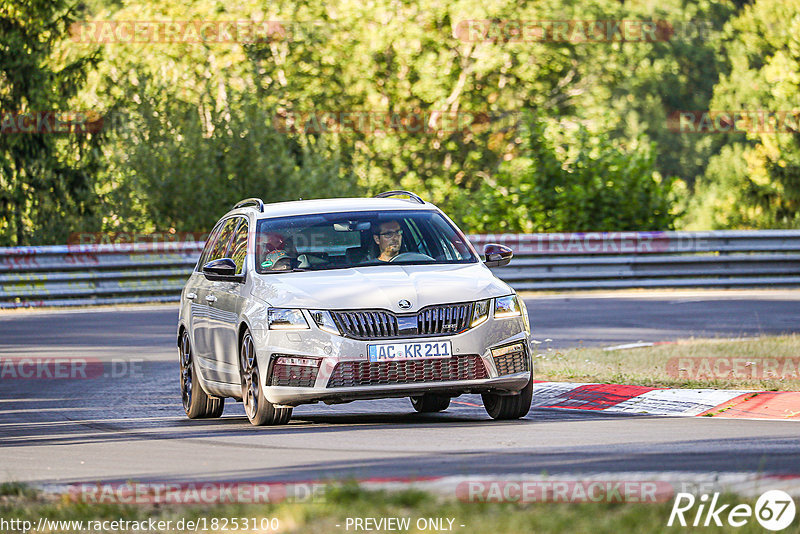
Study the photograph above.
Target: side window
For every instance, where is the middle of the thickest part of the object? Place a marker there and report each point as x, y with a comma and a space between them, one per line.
212, 237
238, 251
223, 240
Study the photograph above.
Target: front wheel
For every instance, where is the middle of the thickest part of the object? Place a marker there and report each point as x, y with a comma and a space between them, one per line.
196, 402
258, 409
430, 402
509, 406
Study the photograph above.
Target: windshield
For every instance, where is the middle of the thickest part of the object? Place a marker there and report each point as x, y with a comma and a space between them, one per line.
342, 240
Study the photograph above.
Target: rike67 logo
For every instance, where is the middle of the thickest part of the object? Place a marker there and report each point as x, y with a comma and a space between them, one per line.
774, 510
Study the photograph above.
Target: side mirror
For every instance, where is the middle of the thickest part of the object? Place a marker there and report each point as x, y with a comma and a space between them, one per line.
221, 269
497, 255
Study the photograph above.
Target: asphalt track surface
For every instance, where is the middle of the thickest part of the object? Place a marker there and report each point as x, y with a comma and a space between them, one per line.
131, 426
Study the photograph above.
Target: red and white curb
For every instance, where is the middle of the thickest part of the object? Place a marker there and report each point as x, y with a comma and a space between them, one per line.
615, 398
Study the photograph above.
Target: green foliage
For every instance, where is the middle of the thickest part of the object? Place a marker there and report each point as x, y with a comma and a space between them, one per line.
755, 181
46, 180
191, 127
594, 186
183, 170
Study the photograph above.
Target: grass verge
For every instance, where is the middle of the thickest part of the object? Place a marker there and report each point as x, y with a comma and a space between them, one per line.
349, 501
764, 363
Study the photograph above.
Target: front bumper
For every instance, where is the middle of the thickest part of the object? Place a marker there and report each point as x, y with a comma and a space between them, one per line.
289, 396
475, 344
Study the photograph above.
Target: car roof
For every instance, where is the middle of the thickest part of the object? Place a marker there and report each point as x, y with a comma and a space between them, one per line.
334, 205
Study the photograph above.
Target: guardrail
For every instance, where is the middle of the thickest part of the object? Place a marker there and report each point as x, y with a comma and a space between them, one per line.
67, 275
82, 275
613, 260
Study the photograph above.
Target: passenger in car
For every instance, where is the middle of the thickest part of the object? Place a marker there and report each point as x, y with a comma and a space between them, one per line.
277, 260
272, 241
389, 237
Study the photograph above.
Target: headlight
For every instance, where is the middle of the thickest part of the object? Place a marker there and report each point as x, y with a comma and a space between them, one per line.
480, 312
286, 319
506, 307
324, 321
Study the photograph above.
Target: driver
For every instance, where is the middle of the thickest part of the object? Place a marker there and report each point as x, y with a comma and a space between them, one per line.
389, 237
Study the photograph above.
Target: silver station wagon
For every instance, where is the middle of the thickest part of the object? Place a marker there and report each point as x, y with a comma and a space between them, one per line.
345, 299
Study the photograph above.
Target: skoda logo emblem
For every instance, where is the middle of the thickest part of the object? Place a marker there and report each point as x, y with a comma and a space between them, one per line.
404, 304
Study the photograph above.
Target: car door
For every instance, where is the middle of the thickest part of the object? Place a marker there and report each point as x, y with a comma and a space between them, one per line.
205, 300
226, 309
194, 305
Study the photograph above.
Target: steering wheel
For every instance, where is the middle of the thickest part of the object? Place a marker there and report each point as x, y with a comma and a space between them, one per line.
412, 256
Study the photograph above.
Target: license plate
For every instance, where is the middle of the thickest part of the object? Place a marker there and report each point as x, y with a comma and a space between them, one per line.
390, 352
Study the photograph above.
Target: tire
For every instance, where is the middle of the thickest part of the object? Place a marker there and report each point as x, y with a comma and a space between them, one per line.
509, 406
196, 402
430, 402
258, 409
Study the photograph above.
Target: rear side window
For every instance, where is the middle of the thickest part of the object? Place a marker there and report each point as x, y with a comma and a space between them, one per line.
212, 238
238, 251
220, 246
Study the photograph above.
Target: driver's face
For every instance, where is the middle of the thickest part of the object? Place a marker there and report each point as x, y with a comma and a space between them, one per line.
389, 238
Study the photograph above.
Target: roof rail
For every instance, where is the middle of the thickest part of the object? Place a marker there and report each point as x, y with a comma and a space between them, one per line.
251, 202
411, 196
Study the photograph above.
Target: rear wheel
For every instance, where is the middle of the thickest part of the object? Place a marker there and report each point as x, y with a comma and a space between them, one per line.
509, 406
196, 402
258, 409
430, 402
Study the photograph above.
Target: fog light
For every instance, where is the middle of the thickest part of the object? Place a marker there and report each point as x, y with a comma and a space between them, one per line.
508, 349
510, 359
300, 362
294, 371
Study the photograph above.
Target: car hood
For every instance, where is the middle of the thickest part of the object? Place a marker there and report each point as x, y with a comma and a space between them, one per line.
381, 287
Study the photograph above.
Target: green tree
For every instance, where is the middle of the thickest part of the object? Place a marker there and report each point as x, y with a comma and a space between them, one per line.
177, 168
46, 180
198, 116
572, 181
755, 183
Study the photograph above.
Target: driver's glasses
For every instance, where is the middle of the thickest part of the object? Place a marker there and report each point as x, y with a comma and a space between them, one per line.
391, 235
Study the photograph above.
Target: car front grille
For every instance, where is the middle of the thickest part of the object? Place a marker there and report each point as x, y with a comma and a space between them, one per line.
300, 376
367, 324
350, 374
446, 319
512, 362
